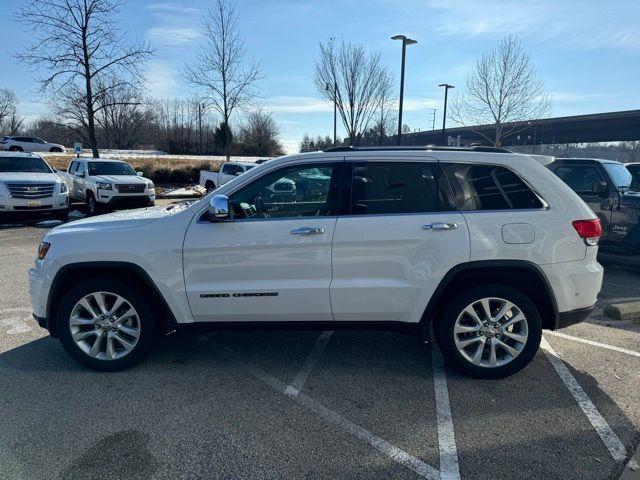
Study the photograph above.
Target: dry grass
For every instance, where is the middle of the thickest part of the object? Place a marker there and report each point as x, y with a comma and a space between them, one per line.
145, 164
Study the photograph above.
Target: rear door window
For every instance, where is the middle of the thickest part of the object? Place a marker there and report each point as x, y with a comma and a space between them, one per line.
489, 187
380, 188
579, 177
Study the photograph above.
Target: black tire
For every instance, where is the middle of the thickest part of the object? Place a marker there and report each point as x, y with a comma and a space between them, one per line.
209, 185
15, 148
135, 299
92, 205
444, 331
64, 215
55, 149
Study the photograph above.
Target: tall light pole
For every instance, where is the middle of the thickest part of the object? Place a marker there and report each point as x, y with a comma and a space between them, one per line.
327, 87
405, 41
444, 115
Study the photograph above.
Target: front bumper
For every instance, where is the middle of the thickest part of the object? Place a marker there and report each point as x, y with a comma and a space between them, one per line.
41, 277
56, 203
114, 199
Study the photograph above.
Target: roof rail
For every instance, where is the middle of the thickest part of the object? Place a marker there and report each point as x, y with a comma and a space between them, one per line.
477, 148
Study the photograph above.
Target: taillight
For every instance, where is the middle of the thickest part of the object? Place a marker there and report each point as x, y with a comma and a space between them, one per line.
589, 230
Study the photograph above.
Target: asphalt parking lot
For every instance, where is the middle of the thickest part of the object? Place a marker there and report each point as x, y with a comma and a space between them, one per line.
332, 405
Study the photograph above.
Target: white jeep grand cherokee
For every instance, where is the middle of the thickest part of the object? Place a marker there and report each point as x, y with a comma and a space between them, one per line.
484, 246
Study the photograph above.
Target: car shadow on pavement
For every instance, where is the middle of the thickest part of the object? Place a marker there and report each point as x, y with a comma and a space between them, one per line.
191, 410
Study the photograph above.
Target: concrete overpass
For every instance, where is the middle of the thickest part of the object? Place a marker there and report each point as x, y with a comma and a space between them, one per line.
597, 127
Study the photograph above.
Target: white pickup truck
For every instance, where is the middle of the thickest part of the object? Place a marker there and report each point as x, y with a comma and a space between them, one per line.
228, 171
107, 184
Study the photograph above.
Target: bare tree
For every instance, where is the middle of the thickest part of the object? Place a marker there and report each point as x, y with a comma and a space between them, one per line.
258, 135
225, 79
123, 116
10, 122
355, 80
83, 56
503, 87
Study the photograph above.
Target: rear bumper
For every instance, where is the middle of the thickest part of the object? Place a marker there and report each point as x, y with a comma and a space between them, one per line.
572, 317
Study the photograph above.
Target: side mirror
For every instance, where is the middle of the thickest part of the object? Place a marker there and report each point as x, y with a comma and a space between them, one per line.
600, 188
237, 174
140, 174
219, 207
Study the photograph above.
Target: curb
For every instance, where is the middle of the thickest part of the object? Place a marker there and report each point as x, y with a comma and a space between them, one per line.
623, 311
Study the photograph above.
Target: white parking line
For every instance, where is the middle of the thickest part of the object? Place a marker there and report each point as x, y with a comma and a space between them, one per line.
449, 468
400, 456
293, 389
607, 435
591, 342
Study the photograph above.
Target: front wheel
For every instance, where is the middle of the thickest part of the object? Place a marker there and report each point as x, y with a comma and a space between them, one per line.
92, 205
105, 325
491, 331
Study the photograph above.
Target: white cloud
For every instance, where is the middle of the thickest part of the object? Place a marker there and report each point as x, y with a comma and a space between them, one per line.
291, 146
291, 104
575, 23
573, 97
177, 24
167, 35
173, 8
32, 110
162, 80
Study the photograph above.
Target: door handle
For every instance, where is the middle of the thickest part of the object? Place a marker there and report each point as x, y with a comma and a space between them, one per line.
440, 226
307, 231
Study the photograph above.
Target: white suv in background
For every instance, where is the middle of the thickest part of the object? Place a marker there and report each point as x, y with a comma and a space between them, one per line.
483, 246
29, 184
29, 144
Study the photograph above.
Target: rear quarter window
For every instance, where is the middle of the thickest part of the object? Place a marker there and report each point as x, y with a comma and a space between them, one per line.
489, 187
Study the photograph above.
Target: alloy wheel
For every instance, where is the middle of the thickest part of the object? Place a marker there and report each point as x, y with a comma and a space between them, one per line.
105, 326
490, 332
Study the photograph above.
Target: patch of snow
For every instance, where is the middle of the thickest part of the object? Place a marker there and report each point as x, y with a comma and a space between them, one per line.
49, 223
76, 214
160, 155
194, 191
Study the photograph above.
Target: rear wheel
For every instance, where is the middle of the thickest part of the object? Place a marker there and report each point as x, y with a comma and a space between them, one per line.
15, 148
55, 149
209, 185
105, 325
491, 331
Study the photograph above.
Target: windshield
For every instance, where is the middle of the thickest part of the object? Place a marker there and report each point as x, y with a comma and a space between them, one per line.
619, 174
110, 168
15, 164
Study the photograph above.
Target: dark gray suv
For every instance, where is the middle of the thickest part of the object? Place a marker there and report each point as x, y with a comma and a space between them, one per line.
608, 187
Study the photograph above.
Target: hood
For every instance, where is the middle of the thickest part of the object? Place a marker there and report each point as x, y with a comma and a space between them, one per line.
29, 177
117, 220
130, 179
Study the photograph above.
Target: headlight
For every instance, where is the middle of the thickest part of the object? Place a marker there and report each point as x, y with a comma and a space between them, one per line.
43, 248
104, 186
63, 187
150, 186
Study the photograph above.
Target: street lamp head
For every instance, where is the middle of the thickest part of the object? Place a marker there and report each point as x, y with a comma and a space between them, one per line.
446, 85
405, 40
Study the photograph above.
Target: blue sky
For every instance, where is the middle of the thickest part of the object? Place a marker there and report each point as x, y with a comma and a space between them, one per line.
588, 52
